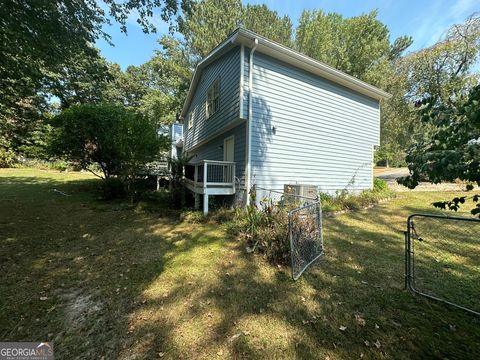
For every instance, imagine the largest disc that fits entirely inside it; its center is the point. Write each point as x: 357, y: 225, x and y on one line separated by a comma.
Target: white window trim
x: 190, y: 120
x: 212, y: 87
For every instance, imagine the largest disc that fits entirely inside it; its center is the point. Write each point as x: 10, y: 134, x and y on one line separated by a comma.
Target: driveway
x: 390, y: 175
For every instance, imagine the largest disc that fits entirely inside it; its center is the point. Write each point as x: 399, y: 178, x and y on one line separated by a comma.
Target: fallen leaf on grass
x: 161, y: 354
x: 43, y: 298
x: 377, y: 344
x: 367, y: 343
x: 236, y: 336
x: 343, y: 328
x: 360, y: 320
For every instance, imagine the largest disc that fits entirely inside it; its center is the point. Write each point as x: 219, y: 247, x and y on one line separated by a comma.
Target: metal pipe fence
x: 442, y: 259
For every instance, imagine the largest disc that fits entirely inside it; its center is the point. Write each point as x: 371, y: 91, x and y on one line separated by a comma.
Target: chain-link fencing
x: 304, y: 225
x: 442, y: 259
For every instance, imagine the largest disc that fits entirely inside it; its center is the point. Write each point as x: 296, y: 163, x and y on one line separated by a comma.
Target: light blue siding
x: 213, y: 150
x: 308, y: 130
x: 246, y: 67
x: 227, y: 70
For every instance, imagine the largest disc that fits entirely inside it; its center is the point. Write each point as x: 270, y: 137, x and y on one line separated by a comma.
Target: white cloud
x: 441, y: 16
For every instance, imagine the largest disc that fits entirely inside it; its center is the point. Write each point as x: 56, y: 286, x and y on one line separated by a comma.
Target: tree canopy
x: 211, y: 21
x: 51, y: 43
x: 451, y: 148
x: 355, y: 45
x: 117, y: 140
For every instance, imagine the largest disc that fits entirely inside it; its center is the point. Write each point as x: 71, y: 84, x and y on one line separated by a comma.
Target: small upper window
x: 213, y: 98
x: 190, y: 120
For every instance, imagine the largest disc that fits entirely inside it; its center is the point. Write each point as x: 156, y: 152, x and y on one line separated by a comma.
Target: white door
x: 228, y: 149
x: 228, y: 155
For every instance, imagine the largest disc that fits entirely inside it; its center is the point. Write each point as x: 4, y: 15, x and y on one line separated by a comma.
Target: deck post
x: 205, y: 196
x: 197, y: 201
x: 205, y: 204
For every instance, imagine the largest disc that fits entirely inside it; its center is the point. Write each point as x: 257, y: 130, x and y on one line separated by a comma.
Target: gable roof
x: 246, y: 37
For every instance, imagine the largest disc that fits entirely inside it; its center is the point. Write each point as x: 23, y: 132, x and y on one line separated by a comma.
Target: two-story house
x: 260, y: 113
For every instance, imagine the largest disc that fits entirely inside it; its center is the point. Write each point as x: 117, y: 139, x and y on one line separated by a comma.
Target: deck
x: 210, y: 177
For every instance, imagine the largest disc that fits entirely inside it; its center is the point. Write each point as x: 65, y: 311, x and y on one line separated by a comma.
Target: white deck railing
x: 211, y: 177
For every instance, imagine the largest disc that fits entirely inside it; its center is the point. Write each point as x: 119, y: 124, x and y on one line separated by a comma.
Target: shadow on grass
x: 122, y: 284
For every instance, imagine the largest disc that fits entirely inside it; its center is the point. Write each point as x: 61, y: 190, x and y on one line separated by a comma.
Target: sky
x: 425, y: 20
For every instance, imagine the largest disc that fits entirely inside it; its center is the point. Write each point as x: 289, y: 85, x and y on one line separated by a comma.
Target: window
x: 190, y: 120
x: 213, y: 98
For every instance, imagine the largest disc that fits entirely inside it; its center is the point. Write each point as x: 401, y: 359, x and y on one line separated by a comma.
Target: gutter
x: 249, y: 121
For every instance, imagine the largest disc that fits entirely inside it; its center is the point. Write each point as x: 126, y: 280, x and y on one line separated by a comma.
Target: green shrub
x: 7, y: 158
x: 221, y: 215
x: 113, y: 188
x: 120, y: 141
x: 379, y: 185
x: 192, y: 216
x: 343, y: 200
x: 59, y: 165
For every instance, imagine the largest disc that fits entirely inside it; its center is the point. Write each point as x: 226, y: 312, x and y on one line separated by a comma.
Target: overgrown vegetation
x: 264, y: 228
x: 101, y: 278
x: 345, y: 200
x: 116, y: 140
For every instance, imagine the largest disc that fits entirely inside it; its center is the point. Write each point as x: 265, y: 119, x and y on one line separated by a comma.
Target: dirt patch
x: 82, y: 313
x: 80, y: 308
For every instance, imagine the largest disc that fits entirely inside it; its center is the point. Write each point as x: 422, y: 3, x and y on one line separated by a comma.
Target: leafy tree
x: 452, y: 148
x: 266, y: 22
x: 85, y: 80
x: 128, y: 87
x: 42, y: 39
x: 168, y: 73
x: 441, y: 73
x: 117, y: 140
x: 354, y: 45
x: 211, y: 21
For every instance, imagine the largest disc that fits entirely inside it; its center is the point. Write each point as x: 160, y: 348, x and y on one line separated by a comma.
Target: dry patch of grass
x: 100, y: 279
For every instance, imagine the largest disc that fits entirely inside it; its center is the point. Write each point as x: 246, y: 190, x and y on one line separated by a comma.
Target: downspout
x: 249, y: 127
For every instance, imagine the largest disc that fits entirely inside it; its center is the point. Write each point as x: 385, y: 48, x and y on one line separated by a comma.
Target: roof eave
x: 305, y: 62
x: 212, y: 56
x: 280, y: 52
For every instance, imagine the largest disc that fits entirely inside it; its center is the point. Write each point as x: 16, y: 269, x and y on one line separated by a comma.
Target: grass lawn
x: 101, y: 279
